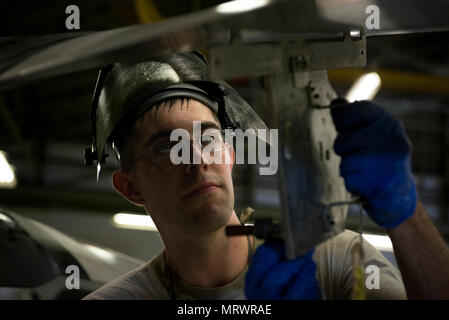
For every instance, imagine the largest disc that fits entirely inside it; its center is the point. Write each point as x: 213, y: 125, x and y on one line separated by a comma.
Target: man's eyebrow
x: 209, y: 125
x: 166, y: 133
x: 158, y: 135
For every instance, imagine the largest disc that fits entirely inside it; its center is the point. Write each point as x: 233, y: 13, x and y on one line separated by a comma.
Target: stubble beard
x: 209, y: 216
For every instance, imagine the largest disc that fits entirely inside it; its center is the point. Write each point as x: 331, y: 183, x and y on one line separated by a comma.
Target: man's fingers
x: 355, y: 115
x: 352, y: 164
x: 280, y: 276
x: 266, y: 256
x: 270, y: 274
x: 356, y: 183
x: 369, y: 137
x: 305, y: 286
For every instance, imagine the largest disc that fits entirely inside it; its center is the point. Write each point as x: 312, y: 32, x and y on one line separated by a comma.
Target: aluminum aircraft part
x: 258, y: 60
x: 309, y: 168
x: 319, y: 90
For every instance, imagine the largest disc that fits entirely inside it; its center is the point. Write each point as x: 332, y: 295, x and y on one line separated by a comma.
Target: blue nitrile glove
x: 375, y: 161
x: 272, y: 277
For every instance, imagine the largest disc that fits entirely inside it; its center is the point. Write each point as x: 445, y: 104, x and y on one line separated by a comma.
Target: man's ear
x: 123, y: 183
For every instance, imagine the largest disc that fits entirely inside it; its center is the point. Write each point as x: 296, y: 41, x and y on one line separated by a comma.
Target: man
x: 191, y: 204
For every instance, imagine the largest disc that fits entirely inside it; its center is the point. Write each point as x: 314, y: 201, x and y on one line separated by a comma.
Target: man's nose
x: 197, y: 161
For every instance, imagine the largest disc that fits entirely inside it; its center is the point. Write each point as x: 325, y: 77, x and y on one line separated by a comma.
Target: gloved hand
x: 375, y: 161
x: 272, y: 277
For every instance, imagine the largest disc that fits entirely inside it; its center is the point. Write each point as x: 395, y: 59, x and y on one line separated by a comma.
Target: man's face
x: 195, y: 198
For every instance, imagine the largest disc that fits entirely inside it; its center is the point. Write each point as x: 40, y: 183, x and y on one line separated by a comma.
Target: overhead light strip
x: 364, y: 88
x: 127, y: 220
x: 7, y: 175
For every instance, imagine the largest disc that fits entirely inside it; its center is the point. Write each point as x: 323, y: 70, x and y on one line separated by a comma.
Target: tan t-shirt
x: 334, y: 269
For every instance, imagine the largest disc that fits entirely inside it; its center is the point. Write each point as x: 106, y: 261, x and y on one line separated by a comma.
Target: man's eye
x: 206, y: 139
x: 164, y: 148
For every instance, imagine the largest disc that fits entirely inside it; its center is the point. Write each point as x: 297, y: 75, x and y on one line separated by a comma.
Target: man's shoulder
x: 141, y: 283
x: 335, y: 268
x: 346, y: 238
x: 338, y: 250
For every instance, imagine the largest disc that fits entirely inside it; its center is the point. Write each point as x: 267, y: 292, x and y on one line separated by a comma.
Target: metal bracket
x: 319, y: 90
x: 294, y: 56
x: 299, y: 95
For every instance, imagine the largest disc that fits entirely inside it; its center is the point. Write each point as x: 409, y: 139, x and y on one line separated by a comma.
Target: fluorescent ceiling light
x: 380, y: 242
x: 365, y: 87
x: 239, y: 6
x: 134, y: 221
x: 7, y: 175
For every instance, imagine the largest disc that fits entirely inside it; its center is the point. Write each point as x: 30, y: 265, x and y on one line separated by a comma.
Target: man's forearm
x: 423, y: 257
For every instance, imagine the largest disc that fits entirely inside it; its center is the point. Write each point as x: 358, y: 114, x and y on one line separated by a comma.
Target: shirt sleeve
x: 335, y: 270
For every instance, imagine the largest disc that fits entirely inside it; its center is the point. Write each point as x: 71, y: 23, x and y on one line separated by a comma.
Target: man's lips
x: 202, y: 189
